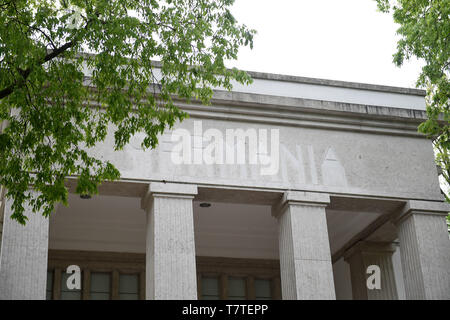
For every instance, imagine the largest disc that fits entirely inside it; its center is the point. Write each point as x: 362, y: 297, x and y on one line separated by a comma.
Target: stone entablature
x: 324, y: 147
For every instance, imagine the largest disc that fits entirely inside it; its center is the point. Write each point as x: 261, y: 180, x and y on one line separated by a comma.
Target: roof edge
x: 317, y: 81
x: 336, y: 83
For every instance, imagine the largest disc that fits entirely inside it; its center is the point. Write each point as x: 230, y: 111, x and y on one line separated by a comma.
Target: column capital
x: 370, y: 247
x: 422, y: 207
x: 300, y: 198
x: 360, y: 257
x: 162, y: 189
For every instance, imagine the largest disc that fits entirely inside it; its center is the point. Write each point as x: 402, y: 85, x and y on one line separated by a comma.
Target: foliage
x: 425, y: 34
x: 448, y: 223
x: 53, y: 112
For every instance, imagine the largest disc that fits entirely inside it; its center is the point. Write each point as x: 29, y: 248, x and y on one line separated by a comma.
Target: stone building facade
x: 290, y: 188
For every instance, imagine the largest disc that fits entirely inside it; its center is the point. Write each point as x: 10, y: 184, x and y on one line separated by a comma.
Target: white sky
x: 332, y: 39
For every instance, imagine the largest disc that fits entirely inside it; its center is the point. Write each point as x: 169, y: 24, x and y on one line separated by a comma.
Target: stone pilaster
x: 425, y: 250
x: 170, y: 256
x: 305, y: 258
x: 23, y: 257
x: 2, y: 215
x: 363, y: 255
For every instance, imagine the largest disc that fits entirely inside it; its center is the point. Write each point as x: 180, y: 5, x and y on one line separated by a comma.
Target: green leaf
x: 42, y: 70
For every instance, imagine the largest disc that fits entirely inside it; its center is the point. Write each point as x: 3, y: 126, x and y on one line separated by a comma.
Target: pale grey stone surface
x: 305, y: 258
x: 363, y: 255
x: 173, y: 188
x: 23, y: 259
x: 170, y: 256
x: 361, y: 143
x: 335, y: 83
x: 342, y: 280
x: 2, y: 213
x: 398, y: 272
x: 425, y: 254
x: 307, y: 197
x: 314, y: 280
x: 369, y: 164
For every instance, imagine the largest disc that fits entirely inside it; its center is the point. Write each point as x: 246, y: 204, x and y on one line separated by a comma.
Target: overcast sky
x: 333, y: 39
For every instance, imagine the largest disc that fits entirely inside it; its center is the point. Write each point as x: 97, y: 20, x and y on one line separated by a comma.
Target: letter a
x: 74, y: 280
x: 374, y: 280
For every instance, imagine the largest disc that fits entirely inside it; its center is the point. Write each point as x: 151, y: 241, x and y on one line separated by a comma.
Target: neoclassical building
x: 290, y: 188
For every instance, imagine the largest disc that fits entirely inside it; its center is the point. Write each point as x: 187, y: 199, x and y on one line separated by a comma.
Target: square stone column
x: 360, y: 257
x: 23, y: 256
x: 305, y: 258
x: 170, y: 256
x: 425, y: 249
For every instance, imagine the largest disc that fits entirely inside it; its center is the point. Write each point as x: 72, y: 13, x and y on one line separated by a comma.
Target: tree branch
x: 25, y: 73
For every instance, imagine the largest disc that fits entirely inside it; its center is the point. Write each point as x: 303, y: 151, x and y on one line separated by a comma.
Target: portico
x: 356, y: 185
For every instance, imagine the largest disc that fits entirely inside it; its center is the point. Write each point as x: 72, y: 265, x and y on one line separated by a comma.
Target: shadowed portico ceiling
x: 228, y: 229
x: 353, y: 219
